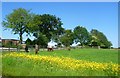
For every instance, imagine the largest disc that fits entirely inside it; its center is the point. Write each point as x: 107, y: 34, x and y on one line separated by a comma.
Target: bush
x: 9, y: 45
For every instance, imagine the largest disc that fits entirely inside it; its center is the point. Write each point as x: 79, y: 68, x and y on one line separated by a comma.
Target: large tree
x: 81, y: 35
x: 18, y: 21
x: 41, y: 39
x: 48, y: 25
x: 58, y: 33
x: 100, y: 38
x: 28, y: 42
x: 67, y: 38
x: 51, y: 25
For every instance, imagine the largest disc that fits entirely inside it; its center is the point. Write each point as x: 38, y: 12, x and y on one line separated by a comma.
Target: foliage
x: 59, y: 45
x: 46, y: 24
x: 81, y: 35
x: 48, y: 27
x: 9, y: 44
x: 58, y: 33
x: 41, y: 39
x: 67, y: 38
x: 100, y: 38
x: 0, y: 44
x: 51, y: 25
x: 18, y: 21
x: 35, y: 23
x: 28, y: 42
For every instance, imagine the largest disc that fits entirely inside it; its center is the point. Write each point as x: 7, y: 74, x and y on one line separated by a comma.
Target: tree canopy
x: 18, y: 21
x: 67, y: 38
x: 47, y: 27
x: 100, y: 38
x: 81, y: 35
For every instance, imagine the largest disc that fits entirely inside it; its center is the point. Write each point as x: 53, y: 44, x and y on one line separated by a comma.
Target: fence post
x: 9, y: 48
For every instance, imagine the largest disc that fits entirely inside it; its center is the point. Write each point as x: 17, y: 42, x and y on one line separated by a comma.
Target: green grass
x: 21, y: 67
x: 0, y: 65
x: 102, y: 55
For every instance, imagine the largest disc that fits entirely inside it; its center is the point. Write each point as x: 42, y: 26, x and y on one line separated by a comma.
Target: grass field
x: 77, y: 62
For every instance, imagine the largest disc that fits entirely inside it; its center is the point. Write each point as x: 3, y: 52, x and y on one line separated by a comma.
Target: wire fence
x: 22, y: 48
x: 31, y: 48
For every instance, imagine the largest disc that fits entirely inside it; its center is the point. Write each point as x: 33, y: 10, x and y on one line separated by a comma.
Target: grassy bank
x: 77, y: 62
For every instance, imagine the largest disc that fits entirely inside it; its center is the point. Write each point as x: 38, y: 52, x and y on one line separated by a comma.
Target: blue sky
x: 102, y: 16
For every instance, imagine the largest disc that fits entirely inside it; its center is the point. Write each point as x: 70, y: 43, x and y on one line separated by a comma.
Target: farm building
x: 10, y: 41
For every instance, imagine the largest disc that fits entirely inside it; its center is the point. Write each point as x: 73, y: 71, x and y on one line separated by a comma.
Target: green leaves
x: 46, y: 27
x: 41, y: 39
x: 81, y: 35
x: 100, y: 38
x: 67, y: 38
x: 18, y: 21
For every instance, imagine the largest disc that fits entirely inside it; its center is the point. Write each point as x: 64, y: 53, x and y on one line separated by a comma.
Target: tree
x: 100, y: 38
x: 95, y: 41
x: 67, y: 38
x: 28, y: 42
x: 51, y: 25
x: 47, y: 25
x: 109, y: 44
x: 81, y: 35
x: 40, y: 39
x: 18, y: 21
x: 35, y: 24
x: 57, y: 35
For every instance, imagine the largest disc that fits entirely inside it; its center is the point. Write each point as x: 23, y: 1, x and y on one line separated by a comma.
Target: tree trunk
x: 98, y: 47
x: 20, y: 37
x: 81, y: 44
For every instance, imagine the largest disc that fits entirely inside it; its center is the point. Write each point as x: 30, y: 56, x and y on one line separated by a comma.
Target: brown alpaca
x: 36, y: 49
x: 50, y: 49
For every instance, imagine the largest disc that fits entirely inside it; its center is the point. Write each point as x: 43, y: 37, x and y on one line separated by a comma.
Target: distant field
x: 0, y: 64
x: 77, y: 62
x: 102, y: 55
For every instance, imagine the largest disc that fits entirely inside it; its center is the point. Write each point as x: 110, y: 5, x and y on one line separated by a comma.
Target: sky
x: 102, y: 16
x: 60, y: 0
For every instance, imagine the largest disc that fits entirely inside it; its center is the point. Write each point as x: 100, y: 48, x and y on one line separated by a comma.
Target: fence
x: 31, y: 48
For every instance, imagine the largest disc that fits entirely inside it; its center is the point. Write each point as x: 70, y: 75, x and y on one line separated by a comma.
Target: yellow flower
x: 65, y: 62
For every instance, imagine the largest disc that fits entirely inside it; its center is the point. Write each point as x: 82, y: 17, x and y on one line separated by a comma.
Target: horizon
x: 102, y: 16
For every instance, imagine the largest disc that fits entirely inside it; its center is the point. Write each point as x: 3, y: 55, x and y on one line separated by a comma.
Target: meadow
x: 77, y: 62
